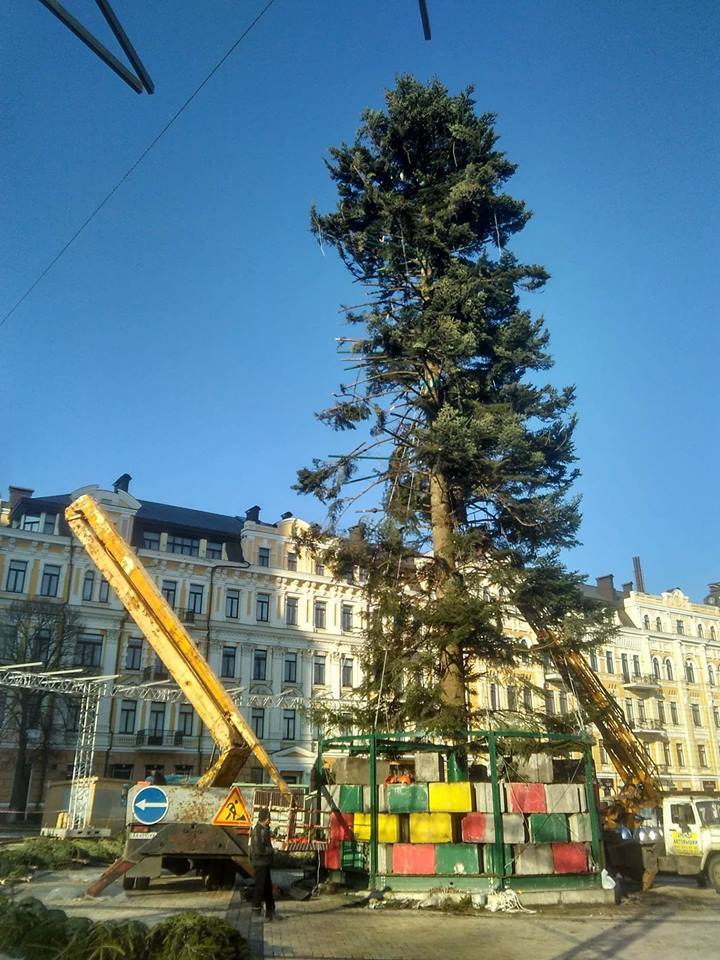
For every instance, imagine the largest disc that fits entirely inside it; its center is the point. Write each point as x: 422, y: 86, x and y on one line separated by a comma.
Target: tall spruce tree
x: 472, y: 453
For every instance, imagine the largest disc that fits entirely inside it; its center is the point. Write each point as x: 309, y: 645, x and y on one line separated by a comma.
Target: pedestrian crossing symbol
x: 233, y: 812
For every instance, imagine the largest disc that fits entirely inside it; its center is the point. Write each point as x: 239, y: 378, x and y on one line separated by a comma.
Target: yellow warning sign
x: 233, y: 812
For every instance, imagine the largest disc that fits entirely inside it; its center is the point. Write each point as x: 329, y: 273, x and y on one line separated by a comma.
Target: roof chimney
x: 122, y: 483
x: 627, y: 588
x: 16, y: 494
x: 286, y: 515
x: 606, y: 587
x: 253, y: 514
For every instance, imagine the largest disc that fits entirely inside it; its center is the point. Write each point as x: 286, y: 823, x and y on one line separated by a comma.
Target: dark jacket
x: 261, y: 849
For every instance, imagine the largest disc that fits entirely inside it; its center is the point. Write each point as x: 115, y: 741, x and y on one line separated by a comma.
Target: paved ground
x: 675, y: 920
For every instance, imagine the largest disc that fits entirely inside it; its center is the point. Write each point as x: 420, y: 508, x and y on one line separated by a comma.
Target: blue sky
x: 188, y: 335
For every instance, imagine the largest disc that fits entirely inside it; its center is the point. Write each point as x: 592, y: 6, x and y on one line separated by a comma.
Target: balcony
x: 649, y: 729
x: 155, y: 673
x: 165, y: 740
x: 552, y: 675
x: 641, y: 683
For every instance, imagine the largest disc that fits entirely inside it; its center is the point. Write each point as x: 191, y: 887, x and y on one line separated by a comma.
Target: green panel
x: 457, y: 858
x: 352, y: 855
x: 395, y: 882
x: 490, y: 864
x: 351, y: 798
x: 548, y: 828
x: 568, y: 881
x: 457, y: 766
x: 407, y: 798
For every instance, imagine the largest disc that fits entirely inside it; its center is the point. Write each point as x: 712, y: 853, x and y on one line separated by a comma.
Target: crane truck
x: 687, y: 838
x: 177, y: 827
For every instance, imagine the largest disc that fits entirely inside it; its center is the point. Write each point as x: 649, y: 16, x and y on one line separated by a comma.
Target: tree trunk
x: 21, y: 777
x: 443, y: 523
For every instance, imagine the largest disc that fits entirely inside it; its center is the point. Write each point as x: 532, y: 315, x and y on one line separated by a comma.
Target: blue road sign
x: 150, y: 805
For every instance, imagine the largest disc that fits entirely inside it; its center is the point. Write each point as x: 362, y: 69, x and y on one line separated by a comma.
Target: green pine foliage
x: 464, y: 462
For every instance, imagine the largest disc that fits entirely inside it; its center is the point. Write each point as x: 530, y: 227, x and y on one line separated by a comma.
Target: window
x: 41, y: 645
x: 629, y: 712
x: 169, y: 591
x: 30, y: 522
x: 121, y: 771
x: 195, y: 598
x: 319, y: 568
x: 319, y: 670
x: 656, y: 668
x: 103, y: 591
x: 563, y: 702
x: 264, y: 557
x: 257, y: 719
x: 49, y: 523
x: 320, y: 611
x: 667, y: 754
x: 288, y: 725
x: 609, y: 665
x: 641, y: 711
x: 646, y: 622
x: 690, y: 671
x: 695, y: 711
x: 157, y: 720
x: 512, y: 698
x: 88, y: 652
x: 680, y: 751
x: 668, y: 670
x: 232, y: 604
x: 213, y: 550
x: 658, y: 624
x: 133, y: 655
x: 292, y: 561
x: 494, y: 697
x: 259, y: 664
x: 702, y: 755
x: 187, y: 546
x: 636, y: 666
x: 15, y: 582
x: 680, y: 627
x: 603, y: 754
x: 149, y: 767
x: 128, y: 712
x: 151, y: 540
x: 291, y: 611
x: 229, y: 655
x: 347, y: 672
x: 593, y: 661
x: 72, y: 718
x: 700, y: 630
x: 713, y: 633
x: 711, y: 675
x: 661, y: 711
x: 527, y: 698
x: 186, y: 719
x: 184, y: 769
x: 88, y: 585
x: 716, y: 715
x: 674, y: 713
x: 262, y: 607
x: 50, y: 580
x: 550, y: 703
x: 624, y: 666
x: 290, y: 668
x: 347, y: 618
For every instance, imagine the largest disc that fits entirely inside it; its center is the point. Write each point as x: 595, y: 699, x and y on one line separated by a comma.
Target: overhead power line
x: 131, y: 169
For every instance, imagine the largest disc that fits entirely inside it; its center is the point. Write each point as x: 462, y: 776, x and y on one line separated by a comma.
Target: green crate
x: 548, y: 828
x: 352, y: 856
x: 457, y: 858
x: 407, y: 798
x: 351, y: 798
x: 489, y: 860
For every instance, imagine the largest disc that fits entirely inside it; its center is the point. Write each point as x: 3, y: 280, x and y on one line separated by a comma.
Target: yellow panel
x: 388, y: 827
x: 430, y: 827
x: 450, y: 797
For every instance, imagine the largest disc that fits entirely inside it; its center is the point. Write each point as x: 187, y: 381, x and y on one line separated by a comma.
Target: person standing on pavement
x: 261, y: 856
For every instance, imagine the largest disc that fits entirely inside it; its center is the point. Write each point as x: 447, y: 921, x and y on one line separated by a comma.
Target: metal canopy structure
x: 140, y: 79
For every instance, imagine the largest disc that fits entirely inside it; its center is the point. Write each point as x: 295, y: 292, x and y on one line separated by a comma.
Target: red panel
x: 474, y: 827
x: 332, y: 856
x: 340, y: 826
x: 413, y: 858
x: 526, y: 798
x: 569, y: 857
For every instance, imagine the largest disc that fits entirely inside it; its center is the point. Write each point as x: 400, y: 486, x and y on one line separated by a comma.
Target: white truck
x: 689, y: 836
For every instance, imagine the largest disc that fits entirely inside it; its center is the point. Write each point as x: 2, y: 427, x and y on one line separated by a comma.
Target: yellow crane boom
x: 125, y: 573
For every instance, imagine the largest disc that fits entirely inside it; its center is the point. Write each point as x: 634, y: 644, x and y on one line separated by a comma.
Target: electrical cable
x: 136, y: 163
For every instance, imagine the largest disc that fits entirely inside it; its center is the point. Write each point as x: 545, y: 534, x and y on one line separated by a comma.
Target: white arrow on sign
x: 144, y: 804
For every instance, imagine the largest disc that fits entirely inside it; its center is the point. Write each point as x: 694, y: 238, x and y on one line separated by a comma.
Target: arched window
x: 646, y: 622
x: 690, y: 671
x: 656, y: 668
x: 700, y: 630
x: 658, y: 624
x: 711, y: 675
x: 713, y: 634
x: 668, y: 670
x: 88, y: 584
x: 493, y: 696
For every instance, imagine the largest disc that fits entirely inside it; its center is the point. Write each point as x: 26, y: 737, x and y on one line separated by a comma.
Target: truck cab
x: 691, y: 836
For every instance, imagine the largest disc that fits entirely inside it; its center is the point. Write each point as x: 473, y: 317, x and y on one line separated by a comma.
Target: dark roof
x: 167, y: 514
